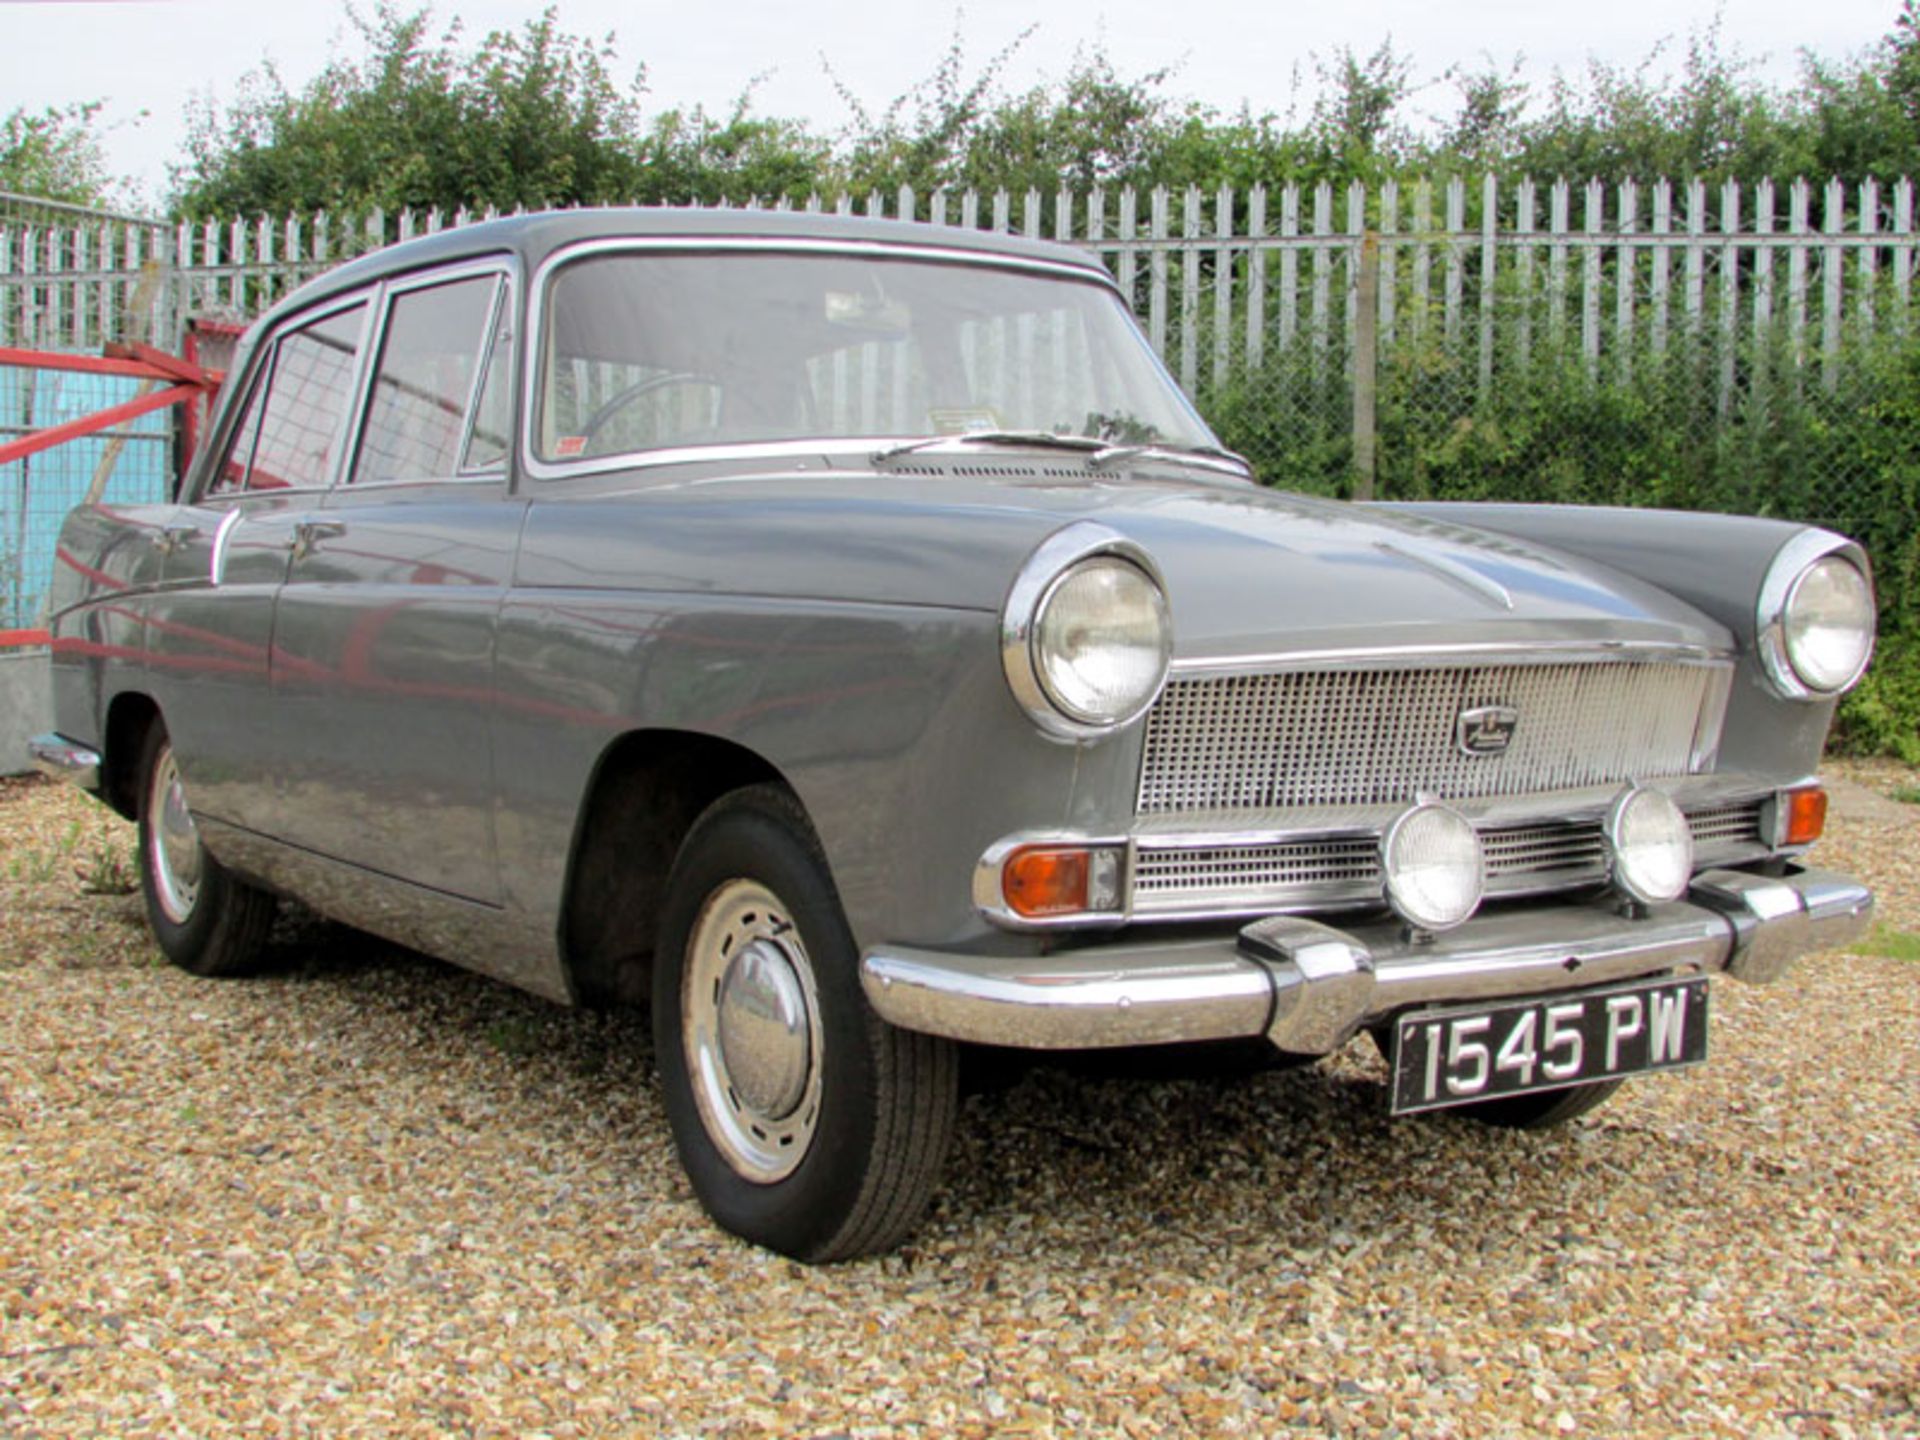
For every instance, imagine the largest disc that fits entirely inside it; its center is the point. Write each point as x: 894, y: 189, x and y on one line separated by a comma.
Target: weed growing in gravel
x: 37, y: 866
x: 109, y: 868
x: 513, y: 1036
x: 1907, y: 794
x: 1891, y: 944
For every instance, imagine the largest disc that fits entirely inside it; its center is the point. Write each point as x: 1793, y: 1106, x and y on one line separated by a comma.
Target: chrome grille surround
x: 1382, y: 733
x: 1220, y: 876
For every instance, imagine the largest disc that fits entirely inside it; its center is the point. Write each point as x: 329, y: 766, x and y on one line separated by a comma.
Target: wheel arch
x: 646, y: 790
x: 130, y: 714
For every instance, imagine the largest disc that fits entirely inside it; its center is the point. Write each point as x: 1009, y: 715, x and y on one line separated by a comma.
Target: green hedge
x: 1777, y: 434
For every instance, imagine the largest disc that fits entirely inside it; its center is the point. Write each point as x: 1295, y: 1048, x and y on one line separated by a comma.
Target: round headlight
x: 1431, y: 859
x: 1827, y: 625
x: 1102, y: 640
x: 1649, y: 846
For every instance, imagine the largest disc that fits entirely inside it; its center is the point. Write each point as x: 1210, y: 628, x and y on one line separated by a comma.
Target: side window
x: 306, y: 397
x: 428, y: 360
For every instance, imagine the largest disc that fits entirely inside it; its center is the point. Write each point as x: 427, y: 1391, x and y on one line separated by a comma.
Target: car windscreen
x: 645, y: 350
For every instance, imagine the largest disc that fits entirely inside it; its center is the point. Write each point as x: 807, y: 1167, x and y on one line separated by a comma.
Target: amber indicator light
x: 1806, y: 815
x: 1039, y: 881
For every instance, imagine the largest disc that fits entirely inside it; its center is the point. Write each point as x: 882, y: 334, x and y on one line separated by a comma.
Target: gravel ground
x: 369, y: 1194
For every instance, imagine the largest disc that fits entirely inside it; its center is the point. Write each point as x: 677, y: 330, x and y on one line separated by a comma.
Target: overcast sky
x: 152, y: 55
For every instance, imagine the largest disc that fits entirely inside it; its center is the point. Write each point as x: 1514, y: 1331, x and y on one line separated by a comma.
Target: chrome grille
x: 1738, y: 823
x: 1373, y: 737
x: 1521, y: 859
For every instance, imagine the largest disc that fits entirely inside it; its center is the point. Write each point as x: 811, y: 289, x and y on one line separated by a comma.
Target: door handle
x: 307, y: 535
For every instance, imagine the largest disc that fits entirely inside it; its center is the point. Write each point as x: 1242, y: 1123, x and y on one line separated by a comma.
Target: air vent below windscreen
x: 992, y: 472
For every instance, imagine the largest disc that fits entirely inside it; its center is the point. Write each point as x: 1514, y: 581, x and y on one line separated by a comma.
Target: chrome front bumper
x: 65, y: 759
x: 1307, y: 987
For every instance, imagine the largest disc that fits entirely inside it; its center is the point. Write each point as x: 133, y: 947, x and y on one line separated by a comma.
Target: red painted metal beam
x: 87, y: 364
x: 9, y: 638
x: 100, y: 420
x: 172, y: 367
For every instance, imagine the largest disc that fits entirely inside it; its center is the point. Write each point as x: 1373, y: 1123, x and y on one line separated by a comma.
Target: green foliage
x: 692, y: 157
x: 536, y: 117
x: 1890, y: 944
x: 54, y: 155
x: 1641, y: 425
x: 529, y: 117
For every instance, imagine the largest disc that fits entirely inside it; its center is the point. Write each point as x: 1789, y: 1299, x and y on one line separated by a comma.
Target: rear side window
x: 290, y: 433
x: 417, y: 419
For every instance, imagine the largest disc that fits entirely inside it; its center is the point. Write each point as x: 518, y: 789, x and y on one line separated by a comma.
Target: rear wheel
x: 806, y: 1123
x: 206, y: 921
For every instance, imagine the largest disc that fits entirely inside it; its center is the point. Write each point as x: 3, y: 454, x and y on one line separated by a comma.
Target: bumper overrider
x: 1308, y: 987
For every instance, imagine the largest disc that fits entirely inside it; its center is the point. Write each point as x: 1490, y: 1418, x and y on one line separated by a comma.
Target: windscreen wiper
x: 1114, y: 454
x: 1038, y: 439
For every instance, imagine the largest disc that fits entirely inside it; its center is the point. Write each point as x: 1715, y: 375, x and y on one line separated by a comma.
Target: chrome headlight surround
x: 1649, y: 846
x: 1072, y: 556
x: 1809, y: 564
x: 1434, y: 870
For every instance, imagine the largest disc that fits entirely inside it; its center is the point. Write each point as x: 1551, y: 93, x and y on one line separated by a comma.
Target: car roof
x: 533, y: 237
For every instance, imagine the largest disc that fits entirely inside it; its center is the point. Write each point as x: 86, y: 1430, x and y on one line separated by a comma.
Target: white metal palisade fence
x: 1327, y: 282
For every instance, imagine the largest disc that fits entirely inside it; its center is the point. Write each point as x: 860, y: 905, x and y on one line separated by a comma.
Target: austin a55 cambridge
x: 846, y: 635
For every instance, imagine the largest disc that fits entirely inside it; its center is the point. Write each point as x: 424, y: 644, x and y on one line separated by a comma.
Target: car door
x: 226, y: 550
x: 383, y: 637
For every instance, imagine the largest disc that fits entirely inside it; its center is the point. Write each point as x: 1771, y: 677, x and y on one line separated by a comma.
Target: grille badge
x: 1486, y: 729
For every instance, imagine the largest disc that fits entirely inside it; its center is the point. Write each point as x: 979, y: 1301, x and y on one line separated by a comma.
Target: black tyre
x: 805, y: 1122
x: 207, y: 921
x: 1541, y: 1110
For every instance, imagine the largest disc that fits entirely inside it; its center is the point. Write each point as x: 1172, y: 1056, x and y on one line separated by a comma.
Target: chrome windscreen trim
x: 906, y: 248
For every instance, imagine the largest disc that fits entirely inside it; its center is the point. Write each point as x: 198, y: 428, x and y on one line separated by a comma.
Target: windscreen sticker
x: 570, y: 445
x: 959, y: 421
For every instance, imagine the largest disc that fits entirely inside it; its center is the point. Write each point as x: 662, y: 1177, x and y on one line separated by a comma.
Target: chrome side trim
x: 1789, y: 564
x: 1515, y: 652
x: 1311, y: 986
x: 64, y: 759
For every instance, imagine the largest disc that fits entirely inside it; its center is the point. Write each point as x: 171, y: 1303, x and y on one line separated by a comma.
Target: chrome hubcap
x: 750, y: 1019
x: 174, y: 855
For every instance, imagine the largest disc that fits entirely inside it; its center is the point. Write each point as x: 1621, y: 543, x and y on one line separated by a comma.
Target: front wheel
x: 805, y: 1122
x: 1541, y: 1110
x: 206, y: 921
x: 1537, y: 1110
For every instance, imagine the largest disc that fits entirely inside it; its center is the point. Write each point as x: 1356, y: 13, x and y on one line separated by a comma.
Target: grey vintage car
x: 846, y: 634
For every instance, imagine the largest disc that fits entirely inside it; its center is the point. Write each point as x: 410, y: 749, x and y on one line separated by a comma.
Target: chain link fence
x: 1745, y: 348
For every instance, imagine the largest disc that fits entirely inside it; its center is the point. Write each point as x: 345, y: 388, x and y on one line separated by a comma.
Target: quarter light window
x: 290, y: 434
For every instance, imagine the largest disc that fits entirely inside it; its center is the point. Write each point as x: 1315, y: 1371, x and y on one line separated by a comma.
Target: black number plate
x: 1466, y: 1053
